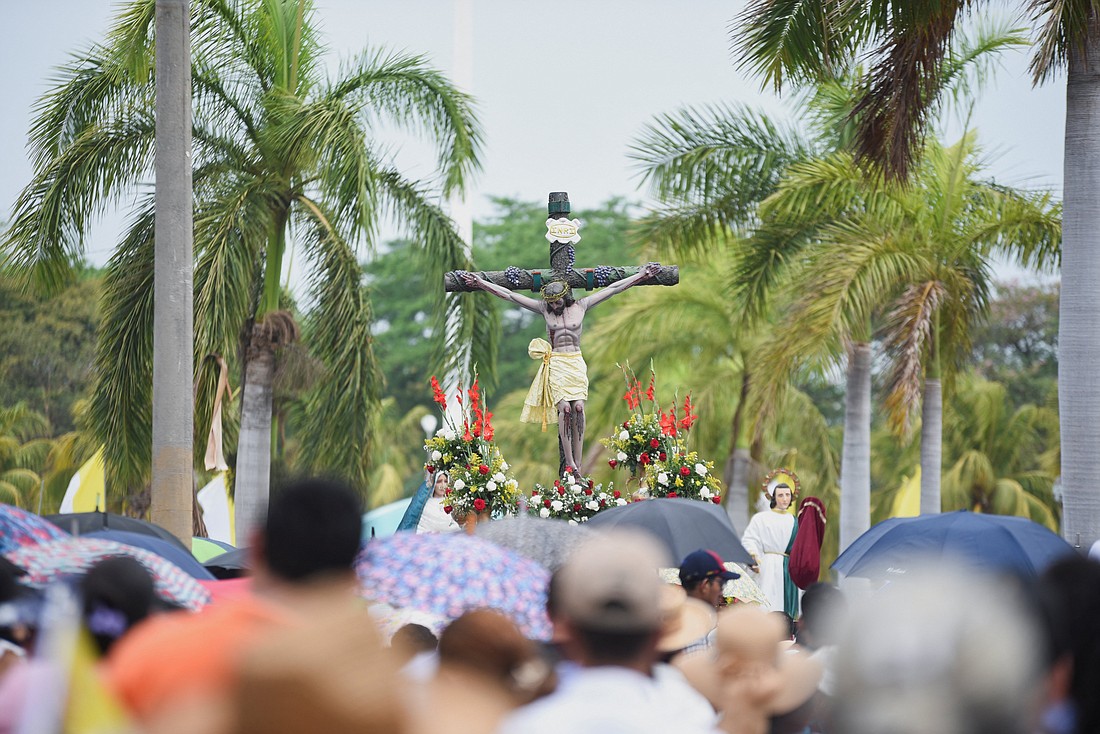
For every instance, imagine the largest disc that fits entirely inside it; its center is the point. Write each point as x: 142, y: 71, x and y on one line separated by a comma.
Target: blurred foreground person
x: 939, y: 654
x: 1073, y: 706
x: 302, y: 574
x: 411, y: 641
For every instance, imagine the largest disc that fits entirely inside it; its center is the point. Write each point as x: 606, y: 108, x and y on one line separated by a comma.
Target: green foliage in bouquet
x: 573, y: 498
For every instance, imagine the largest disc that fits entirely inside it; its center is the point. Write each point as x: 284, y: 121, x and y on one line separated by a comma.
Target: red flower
x: 654, y: 443
x: 684, y: 471
x: 603, y: 503
x: 475, y: 394
x: 716, y: 500
x: 662, y: 456
x: 612, y: 463
x: 588, y: 492
x: 437, y: 393
x: 429, y: 468
x: 652, y: 384
x: 534, y: 492
x: 591, y: 483
x: 673, y: 494
x: 561, y: 491
x: 479, y: 504
x: 689, y: 416
x: 483, y: 469
x: 644, y: 458
x: 577, y: 507
x: 631, y: 396
x: 546, y: 502
x: 447, y: 509
x: 616, y: 494
x: 626, y: 424
x: 668, y: 424
x: 568, y: 470
x: 466, y: 434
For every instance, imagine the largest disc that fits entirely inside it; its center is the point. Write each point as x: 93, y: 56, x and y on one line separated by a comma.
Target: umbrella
x: 203, y: 549
x: 452, y: 573
x: 229, y: 565
x: 74, y: 556
x: 683, y: 525
x: 19, y: 527
x: 382, y: 521
x: 82, y: 523
x: 168, y: 551
x: 547, y: 541
x: 994, y: 542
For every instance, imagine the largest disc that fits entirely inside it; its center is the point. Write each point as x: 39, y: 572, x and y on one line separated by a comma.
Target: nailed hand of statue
x: 652, y: 269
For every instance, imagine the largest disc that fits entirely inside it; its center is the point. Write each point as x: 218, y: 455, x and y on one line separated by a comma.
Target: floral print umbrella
x: 453, y: 573
x: 19, y: 527
x: 70, y: 556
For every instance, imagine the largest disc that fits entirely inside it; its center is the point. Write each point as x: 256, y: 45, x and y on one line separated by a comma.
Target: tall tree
x: 282, y: 155
x: 798, y: 42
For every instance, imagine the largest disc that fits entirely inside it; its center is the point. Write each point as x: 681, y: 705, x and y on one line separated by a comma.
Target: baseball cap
x: 610, y: 583
x: 703, y: 564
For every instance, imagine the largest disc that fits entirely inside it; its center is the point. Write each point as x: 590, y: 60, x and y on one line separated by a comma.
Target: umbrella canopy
x: 546, y: 541
x: 994, y: 542
x: 452, y: 573
x: 19, y: 527
x: 683, y: 525
x: 74, y: 556
x: 229, y: 565
x: 383, y: 521
x: 168, y: 551
x: 203, y: 549
x: 82, y: 523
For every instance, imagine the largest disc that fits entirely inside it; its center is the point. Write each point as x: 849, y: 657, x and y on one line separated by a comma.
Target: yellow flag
x: 907, y: 500
x: 87, y: 489
x: 92, y: 709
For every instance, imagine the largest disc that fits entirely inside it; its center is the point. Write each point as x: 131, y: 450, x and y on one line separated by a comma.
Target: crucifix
x: 560, y: 388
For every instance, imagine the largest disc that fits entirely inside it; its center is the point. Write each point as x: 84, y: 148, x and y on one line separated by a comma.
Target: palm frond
x: 909, y: 332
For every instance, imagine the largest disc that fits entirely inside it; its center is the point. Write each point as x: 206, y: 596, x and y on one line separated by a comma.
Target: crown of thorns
x: 550, y: 297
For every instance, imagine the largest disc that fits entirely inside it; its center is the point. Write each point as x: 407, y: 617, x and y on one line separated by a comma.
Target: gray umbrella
x: 545, y: 541
x: 683, y: 525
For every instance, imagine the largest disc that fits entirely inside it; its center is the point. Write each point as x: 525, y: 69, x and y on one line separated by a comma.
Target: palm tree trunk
x: 855, y: 461
x: 736, y: 472
x: 931, y: 446
x: 1079, y: 307
x: 253, y: 474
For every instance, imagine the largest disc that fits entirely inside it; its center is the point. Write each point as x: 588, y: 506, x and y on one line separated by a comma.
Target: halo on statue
x: 781, y: 476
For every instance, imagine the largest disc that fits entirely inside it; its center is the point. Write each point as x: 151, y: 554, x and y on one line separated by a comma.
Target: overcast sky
x: 562, y: 87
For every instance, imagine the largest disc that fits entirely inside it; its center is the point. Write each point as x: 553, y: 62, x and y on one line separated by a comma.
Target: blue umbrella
x: 170, y: 552
x: 988, y: 542
x: 384, y: 520
x: 19, y: 527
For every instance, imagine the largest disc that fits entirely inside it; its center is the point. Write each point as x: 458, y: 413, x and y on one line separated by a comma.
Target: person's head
x: 116, y: 593
x: 1074, y: 587
x: 703, y: 574
x: 440, y: 483
x: 412, y: 640
x: 312, y: 531
x: 823, y: 607
x: 558, y: 295
x: 781, y: 496
x: 487, y: 642
x: 608, y: 596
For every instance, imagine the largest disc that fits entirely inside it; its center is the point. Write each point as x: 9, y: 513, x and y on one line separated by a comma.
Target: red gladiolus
x: 612, y: 463
x: 479, y: 504
x: 616, y: 494
x: 483, y: 469
x: 654, y: 443
x: 668, y: 424
x: 684, y: 471
x: 644, y: 458
x: 475, y: 394
x: 466, y: 434
x: 689, y: 416
x: 437, y: 393
x: 662, y: 456
x: 447, y: 509
x: 652, y: 384
x: 631, y: 396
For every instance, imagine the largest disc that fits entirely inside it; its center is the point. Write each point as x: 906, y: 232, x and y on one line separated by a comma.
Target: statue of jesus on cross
x: 560, y: 388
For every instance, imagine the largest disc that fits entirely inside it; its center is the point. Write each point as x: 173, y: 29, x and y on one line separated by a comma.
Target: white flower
x: 544, y: 512
x: 491, y: 486
x: 504, y: 466
x: 700, y: 470
x: 459, y: 484
x: 511, y: 484
x: 662, y: 478
x: 705, y: 493
x: 624, y: 435
x: 440, y: 432
x: 621, y: 456
x: 620, y: 502
x: 449, y: 435
x: 536, y: 499
x: 569, y: 478
x: 436, y: 456
x: 498, y: 478
x: 556, y: 505
x: 593, y: 505
x: 573, y: 522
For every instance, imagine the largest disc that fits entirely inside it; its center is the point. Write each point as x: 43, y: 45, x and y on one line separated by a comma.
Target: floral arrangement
x: 480, y: 482
x: 684, y: 474
x: 647, y: 438
x: 573, y: 498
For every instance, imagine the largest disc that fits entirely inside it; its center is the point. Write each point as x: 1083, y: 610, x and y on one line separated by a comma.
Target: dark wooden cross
x: 562, y: 234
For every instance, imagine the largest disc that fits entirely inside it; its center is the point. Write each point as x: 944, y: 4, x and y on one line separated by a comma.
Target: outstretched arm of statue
x: 531, y: 304
x: 650, y: 270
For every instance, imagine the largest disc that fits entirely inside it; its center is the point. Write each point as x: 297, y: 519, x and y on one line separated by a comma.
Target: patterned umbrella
x: 453, y: 573
x: 74, y: 556
x: 549, y: 542
x: 19, y: 527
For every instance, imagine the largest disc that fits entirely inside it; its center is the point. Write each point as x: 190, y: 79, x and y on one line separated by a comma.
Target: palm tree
x: 799, y: 42
x: 24, y: 449
x: 918, y: 255
x: 282, y: 155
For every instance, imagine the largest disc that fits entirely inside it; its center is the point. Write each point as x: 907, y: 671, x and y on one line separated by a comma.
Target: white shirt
x: 434, y: 520
x: 615, y: 700
x: 766, y: 539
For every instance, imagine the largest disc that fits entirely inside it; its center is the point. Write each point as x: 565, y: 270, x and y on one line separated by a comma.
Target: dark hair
x: 1075, y: 582
x: 784, y: 485
x: 489, y: 642
x: 613, y: 648
x: 414, y: 638
x: 313, y: 528
x: 819, y: 603
x: 117, y: 593
x: 692, y: 583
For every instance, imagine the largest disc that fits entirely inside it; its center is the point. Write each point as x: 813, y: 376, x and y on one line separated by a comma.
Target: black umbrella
x: 82, y: 523
x: 683, y: 525
x: 230, y: 565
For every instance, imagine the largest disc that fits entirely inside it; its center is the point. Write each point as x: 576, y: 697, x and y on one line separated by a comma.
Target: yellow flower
x: 447, y: 458
x: 679, y: 482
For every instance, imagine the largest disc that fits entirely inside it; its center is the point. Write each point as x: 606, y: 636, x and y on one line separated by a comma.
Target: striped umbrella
x: 19, y: 527
x: 58, y: 559
x: 450, y: 574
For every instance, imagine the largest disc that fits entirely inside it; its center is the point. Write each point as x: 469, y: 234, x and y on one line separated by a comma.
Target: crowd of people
x: 298, y: 650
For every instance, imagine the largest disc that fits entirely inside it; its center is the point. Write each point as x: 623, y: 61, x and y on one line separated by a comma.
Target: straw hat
x: 685, y: 619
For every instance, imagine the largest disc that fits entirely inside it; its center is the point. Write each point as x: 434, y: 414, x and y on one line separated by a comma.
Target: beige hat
x: 686, y: 620
x: 610, y: 583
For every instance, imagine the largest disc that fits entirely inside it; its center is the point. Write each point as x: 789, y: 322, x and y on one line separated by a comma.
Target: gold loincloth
x: 561, y: 376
